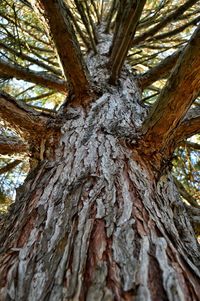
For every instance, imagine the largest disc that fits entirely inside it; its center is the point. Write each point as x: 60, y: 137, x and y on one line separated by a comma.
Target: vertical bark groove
x: 97, y: 219
x: 91, y: 223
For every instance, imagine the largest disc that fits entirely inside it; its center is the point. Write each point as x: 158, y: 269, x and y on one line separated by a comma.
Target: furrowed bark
x: 158, y: 72
x: 55, y: 17
x: 21, y: 117
x: 38, y: 78
x: 125, y: 32
x: 94, y: 222
x: 189, y: 126
x: 176, y: 97
x: 95, y: 219
x: 12, y: 145
x: 166, y: 20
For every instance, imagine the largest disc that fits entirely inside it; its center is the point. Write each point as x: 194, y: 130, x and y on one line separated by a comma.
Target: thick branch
x: 38, y: 78
x: 55, y: 17
x: 78, y: 28
x: 21, y: 117
x: 11, y: 145
x: 181, y: 89
x: 158, y: 72
x: 166, y: 20
x: 124, y: 35
x: 189, y: 126
x: 9, y: 166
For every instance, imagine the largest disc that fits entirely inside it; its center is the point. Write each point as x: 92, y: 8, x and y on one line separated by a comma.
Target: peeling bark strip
x: 54, y: 15
x: 39, y: 78
x: 94, y: 223
x: 182, y: 87
x: 21, y: 117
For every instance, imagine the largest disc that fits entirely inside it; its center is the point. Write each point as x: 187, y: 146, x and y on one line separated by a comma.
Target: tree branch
x: 54, y: 16
x: 175, y: 31
x: 21, y: 117
x: 110, y: 15
x: 123, y: 36
x: 189, y: 126
x: 190, y: 145
x: 9, y: 166
x: 81, y: 10
x: 194, y: 214
x: 176, y: 97
x: 158, y: 72
x: 12, y: 145
x: 166, y: 20
x: 183, y: 192
x: 23, y: 56
x: 90, y: 19
x: 78, y: 28
x: 39, y: 78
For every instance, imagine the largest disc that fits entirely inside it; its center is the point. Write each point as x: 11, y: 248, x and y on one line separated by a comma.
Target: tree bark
x: 95, y: 220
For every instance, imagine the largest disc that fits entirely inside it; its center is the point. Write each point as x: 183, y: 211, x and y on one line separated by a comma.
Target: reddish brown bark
x: 97, y: 221
x: 175, y: 99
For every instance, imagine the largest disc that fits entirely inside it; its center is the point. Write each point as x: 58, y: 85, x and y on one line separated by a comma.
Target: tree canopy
x: 100, y: 117
x: 44, y: 50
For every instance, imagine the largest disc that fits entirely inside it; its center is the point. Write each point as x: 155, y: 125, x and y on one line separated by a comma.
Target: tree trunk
x: 95, y: 220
